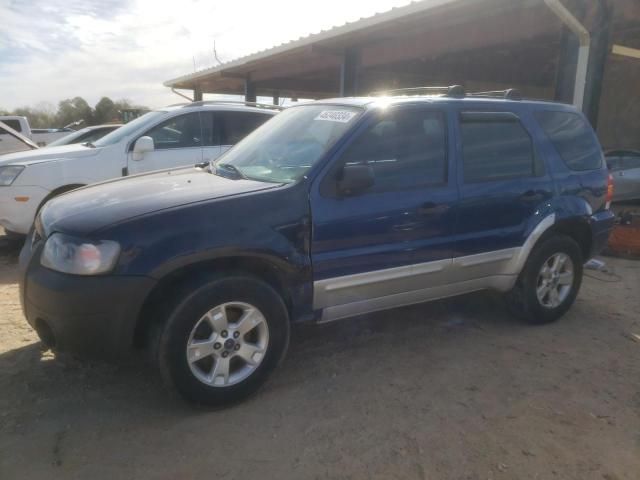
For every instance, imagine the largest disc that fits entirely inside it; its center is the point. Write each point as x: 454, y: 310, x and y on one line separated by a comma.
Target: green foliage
x: 71, y: 110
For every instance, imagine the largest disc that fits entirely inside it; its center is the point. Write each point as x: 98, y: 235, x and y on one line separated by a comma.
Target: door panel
x: 502, y: 184
x: 405, y: 218
x: 177, y: 143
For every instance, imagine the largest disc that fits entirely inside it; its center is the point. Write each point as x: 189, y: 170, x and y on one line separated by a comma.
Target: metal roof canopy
x: 402, y: 47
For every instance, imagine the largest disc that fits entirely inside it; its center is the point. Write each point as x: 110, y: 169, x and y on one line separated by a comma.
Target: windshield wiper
x: 231, y: 168
x: 89, y: 144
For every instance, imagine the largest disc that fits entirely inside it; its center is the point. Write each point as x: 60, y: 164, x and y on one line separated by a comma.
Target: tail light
x: 609, y: 196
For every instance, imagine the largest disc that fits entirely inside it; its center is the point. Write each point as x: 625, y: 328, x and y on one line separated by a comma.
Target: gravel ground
x: 454, y: 389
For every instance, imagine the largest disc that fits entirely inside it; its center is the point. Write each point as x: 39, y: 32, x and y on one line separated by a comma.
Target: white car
x: 87, y: 134
x: 179, y: 135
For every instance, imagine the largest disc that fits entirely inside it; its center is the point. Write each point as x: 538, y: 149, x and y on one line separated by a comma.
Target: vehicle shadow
x: 37, y: 382
x: 9, y: 253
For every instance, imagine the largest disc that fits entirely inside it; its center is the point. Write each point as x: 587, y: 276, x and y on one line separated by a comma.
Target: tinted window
x: 234, y: 126
x: 405, y: 149
x: 15, y: 124
x: 494, y: 147
x: 573, y: 138
x: 631, y: 162
x: 614, y: 163
x: 182, y: 131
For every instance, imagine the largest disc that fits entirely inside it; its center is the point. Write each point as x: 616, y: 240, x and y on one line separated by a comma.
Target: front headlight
x: 9, y: 173
x: 67, y: 254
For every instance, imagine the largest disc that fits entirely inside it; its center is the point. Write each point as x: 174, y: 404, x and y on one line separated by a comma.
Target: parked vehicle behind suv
x: 624, y: 166
x: 333, y: 209
x: 170, y: 137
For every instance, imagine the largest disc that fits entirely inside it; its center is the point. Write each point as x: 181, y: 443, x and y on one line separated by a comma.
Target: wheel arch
x: 576, y: 228
x: 174, y: 284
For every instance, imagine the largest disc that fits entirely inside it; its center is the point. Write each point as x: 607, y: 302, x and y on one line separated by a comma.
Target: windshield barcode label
x: 342, y: 116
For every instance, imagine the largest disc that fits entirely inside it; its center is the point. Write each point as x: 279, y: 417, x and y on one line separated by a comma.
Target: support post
x: 349, y: 73
x: 276, y: 98
x: 249, y: 90
x: 584, y: 39
x: 197, y: 93
x: 600, y: 35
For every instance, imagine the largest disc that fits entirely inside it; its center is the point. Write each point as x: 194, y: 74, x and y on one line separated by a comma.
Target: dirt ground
x: 451, y: 390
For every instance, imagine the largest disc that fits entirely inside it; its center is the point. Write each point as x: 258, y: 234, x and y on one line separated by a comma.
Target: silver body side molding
x: 360, y: 293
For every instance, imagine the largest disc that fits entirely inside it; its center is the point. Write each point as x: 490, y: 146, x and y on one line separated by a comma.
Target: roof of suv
x: 226, y: 105
x: 378, y: 100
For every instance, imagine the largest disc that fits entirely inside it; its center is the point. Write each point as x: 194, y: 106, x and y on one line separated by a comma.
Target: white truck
x: 179, y: 135
x: 40, y: 136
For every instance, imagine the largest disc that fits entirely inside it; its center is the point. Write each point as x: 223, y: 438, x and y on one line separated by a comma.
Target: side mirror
x: 355, y: 179
x: 142, y: 146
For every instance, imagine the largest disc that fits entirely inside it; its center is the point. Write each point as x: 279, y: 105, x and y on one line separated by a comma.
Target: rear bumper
x: 93, y: 317
x: 18, y: 216
x: 601, y: 226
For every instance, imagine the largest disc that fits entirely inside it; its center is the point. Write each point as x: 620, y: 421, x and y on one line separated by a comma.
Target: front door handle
x: 531, y: 196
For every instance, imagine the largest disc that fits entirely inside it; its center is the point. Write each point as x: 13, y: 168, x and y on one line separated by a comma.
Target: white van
x: 178, y: 135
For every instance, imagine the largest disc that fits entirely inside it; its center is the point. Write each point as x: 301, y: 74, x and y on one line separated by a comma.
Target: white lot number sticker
x: 341, y: 116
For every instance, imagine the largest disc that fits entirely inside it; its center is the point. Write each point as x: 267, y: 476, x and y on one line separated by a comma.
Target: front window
x: 182, y: 131
x: 130, y: 128
x: 285, y: 148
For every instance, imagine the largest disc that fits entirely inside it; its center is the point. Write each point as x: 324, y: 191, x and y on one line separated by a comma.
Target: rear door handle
x: 429, y: 208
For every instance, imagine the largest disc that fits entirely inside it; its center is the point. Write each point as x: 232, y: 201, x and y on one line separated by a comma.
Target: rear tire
x: 549, y: 282
x: 223, y: 339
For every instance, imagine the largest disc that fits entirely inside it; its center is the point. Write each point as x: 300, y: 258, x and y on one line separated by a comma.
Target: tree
x: 73, y: 110
x: 105, y: 111
x: 44, y: 115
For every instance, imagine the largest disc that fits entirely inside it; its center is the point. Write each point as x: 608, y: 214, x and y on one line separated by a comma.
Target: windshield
x: 287, y: 146
x: 67, y: 139
x: 131, y: 127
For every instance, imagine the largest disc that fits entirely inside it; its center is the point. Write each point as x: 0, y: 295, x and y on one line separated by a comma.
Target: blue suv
x: 331, y: 209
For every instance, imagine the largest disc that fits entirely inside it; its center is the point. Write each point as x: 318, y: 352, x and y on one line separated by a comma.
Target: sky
x: 56, y: 49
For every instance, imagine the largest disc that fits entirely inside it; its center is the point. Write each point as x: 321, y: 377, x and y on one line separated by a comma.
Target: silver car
x: 624, y: 166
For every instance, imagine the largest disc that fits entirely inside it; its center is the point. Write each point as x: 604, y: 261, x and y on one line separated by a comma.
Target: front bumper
x: 93, y: 317
x: 18, y: 216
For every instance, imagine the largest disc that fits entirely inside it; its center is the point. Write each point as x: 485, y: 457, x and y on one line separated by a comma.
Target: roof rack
x: 508, y: 94
x: 456, y: 91
x: 232, y: 102
x: 450, y: 91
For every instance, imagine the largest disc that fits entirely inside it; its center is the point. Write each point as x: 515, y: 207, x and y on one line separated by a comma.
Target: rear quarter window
x: 573, y: 138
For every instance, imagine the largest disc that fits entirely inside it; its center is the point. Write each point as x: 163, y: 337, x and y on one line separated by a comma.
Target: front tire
x: 549, y: 282
x: 222, y: 340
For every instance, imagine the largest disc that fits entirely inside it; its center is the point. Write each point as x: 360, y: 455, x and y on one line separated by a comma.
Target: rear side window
x: 495, y: 146
x: 405, y: 149
x: 614, y: 163
x: 234, y: 126
x: 573, y: 138
x: 631, y: 162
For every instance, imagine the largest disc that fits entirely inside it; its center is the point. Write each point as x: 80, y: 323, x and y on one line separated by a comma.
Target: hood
x: 47, y: 154
x: 91, y: 208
